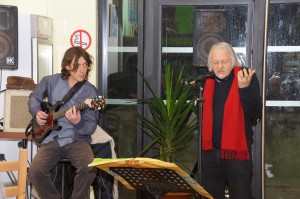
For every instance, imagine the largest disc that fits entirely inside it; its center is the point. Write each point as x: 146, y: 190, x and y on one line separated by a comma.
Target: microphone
x: 210, y: 75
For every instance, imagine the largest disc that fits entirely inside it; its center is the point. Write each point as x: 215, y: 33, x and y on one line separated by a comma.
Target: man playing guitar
x: 73, y: 137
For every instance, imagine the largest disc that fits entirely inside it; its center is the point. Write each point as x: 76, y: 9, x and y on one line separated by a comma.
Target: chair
x: 18, y: 190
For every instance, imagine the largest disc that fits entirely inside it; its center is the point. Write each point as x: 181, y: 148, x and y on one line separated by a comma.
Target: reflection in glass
x: 284, y: 26
x: 282, y: 138
x: 122, y: 84
x: 185, y: 27
x: 283, y: 63
x: 119, y: 116
x: 282, y: 165
x: 283, y: 76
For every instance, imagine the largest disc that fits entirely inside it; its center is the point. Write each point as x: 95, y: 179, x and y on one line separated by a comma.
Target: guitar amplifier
x: 16, y: 113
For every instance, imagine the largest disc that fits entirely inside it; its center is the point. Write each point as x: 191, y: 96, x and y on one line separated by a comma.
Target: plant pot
x: 177, y: 195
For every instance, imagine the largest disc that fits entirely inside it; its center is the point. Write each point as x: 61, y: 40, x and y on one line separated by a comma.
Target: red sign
x: 81, y: 38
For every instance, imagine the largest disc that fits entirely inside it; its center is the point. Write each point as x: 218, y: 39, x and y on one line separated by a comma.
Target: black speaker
x: 210, y: 27
x: 8, y: 37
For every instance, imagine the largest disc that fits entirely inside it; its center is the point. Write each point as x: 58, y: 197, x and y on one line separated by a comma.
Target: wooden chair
x: 19, y: 190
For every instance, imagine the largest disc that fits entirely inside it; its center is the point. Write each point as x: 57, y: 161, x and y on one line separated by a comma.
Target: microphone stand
x: 197, y: 168
x: 196, y: 172
x: 200, y: 100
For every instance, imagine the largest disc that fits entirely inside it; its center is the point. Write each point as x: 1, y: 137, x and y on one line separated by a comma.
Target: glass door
x: 181, y: 33
x: 118, y: 55
x: 282, y: 137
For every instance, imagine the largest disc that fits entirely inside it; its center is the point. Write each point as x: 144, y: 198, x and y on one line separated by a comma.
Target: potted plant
x: 171, y: 123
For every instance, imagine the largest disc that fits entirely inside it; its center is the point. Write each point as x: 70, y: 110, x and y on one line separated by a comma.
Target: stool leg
x: 62, y: 180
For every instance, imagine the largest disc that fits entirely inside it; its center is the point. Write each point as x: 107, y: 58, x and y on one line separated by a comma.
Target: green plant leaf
x: 171, y: 122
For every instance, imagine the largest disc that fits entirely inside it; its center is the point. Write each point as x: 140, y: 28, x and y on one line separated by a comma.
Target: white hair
x: 228, y: 47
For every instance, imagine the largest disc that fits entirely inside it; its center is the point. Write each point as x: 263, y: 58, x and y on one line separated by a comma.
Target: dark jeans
x: 79, y: 153
x: 217, y: 173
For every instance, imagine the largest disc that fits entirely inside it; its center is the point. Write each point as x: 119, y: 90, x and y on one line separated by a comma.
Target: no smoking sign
x: 81, y: 38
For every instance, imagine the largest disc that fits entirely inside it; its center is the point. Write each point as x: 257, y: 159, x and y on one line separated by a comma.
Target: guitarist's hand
x: 41, y: 117
x: 73, y: 115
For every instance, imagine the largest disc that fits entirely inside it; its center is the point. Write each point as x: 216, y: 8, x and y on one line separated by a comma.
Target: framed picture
x: 113, y: 21
x: 16, y: 113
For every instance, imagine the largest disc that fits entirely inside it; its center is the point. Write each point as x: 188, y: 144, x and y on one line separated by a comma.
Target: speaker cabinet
x: 8, y: 37
x: 16, y: 113
x: 210, y: 27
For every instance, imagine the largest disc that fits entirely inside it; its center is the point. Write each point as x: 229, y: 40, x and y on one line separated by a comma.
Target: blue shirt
x: 54, y: 88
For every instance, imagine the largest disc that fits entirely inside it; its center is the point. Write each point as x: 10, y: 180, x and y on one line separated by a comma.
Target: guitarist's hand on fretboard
x: 73, y: 115
x: 41, y: 117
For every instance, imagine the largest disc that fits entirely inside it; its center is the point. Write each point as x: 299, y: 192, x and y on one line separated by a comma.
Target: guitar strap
x: 72, y: 91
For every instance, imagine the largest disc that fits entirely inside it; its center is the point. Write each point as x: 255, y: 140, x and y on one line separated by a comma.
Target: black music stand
x: 152, y: 175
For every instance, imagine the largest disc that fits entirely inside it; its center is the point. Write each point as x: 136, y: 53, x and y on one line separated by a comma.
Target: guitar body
x: 41, y: 132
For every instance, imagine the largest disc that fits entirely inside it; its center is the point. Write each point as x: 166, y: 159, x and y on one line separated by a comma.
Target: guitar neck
x: 62, y: 113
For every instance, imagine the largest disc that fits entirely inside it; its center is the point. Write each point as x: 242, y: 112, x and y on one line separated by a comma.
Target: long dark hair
x: 75, y: 53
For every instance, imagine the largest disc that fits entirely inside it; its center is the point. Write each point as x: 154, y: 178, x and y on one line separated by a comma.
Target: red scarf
x: 234, y: 143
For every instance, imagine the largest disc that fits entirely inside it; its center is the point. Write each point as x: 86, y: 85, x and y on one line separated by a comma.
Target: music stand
x: 152, y: 175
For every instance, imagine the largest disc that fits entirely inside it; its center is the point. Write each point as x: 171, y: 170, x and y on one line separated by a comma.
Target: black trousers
x: 217, y: 173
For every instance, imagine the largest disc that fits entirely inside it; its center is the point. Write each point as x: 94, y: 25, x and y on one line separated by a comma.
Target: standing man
x: 74, y: 139
x: 232, y: 102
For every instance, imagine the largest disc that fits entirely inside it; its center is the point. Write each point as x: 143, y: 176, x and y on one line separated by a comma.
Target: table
x: 17, y: 136
x: 14, y: 135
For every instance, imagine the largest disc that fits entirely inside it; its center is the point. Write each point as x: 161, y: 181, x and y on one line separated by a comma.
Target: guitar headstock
x: 96, y: 103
